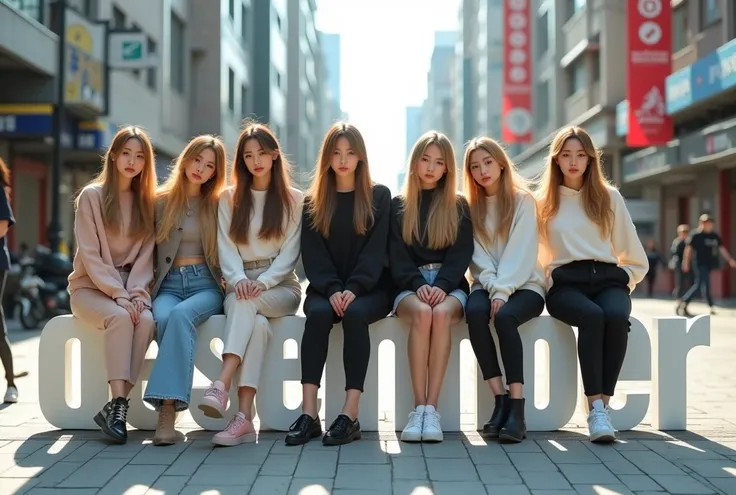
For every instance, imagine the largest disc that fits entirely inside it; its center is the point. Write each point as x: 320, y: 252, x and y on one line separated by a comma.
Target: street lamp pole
x: 54, y: 228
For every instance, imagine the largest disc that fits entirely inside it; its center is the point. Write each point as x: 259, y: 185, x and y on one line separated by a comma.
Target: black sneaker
x: 112, y: 419
x: 303, y: 430
x: 342, y: 431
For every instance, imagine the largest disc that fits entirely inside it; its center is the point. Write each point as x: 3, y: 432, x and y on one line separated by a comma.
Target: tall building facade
x: 206, y: 78
x: 270, y: 63
x: 305, y: 110
x: 331, y: 52
x: 694, y: 173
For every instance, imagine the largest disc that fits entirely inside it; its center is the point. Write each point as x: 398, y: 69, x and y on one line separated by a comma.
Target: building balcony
x: 579, y: 32
x: 577, y: 104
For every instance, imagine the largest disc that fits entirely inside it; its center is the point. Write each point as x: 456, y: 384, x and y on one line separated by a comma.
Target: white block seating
x: 657, y: 355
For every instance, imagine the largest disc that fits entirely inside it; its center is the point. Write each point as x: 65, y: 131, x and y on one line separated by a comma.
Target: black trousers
x: 356, y: 350
x: 595, y: 298
x: 5, y: 353
x: 522, y: 306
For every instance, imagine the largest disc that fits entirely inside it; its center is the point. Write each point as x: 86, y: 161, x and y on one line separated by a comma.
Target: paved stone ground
x: 35, y: 458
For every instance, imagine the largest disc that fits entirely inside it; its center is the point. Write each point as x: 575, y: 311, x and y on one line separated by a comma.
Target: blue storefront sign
x: 94, y: 135
x: 26, y: 120
x: 707, y: 77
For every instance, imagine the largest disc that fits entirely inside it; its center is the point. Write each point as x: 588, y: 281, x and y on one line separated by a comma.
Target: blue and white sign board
x: 712, y: 74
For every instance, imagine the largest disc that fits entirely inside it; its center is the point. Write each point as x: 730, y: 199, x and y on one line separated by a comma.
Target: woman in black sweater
x: 344, y: 238
x: 430, y: 248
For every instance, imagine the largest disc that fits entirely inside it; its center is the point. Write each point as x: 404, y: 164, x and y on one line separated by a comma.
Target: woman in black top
x: 430, y: 248
x: 6, y: 221
x: 344, y: 237
x: 677, y: 255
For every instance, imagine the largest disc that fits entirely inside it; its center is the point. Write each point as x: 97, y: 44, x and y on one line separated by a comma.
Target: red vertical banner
x: 516, y: 126
x: 649, y: 62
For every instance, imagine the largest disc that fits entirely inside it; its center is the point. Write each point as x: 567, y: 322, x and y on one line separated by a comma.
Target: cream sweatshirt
x: 509, y: 264
x: 285, y: 251
x: 572, y: 236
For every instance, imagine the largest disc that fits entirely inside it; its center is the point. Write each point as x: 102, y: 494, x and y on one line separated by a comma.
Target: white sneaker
x: 432, y: 430
x: 413, y: 429
x: 599, y: 424
x: 11, y: 395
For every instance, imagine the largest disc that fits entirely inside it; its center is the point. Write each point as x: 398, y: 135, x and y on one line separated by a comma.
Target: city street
x: 37, y: 459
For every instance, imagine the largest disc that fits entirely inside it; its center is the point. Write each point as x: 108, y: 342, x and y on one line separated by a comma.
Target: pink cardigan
x: 95, y: 266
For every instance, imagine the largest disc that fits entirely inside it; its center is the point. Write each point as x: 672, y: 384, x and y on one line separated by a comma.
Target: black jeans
x: 595, y: 298
x: 6, y: 356
x: 702, y: 284
x: 522, y: 306
x: 356, y: 349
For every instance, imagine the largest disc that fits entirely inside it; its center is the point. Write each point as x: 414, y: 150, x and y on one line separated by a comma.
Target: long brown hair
x: 443, y: 218
x: 510, y: 184
x: 173, y: 194
x: 322, y: 193
x: 595, y: 191
x: 5, y: 178
x: 143, y: 186
x: 279, y: 203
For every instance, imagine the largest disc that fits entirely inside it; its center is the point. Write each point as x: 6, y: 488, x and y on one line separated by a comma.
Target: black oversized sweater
x: 345, y: 260
x: 406, y: 260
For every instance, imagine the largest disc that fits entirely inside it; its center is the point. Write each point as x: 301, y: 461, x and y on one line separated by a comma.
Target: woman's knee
x: 421, y: 318
x: 505, y: 323
x: 478, y: 311
x: 355, y: 316
x: 319, y: 318
x: 442, y: 316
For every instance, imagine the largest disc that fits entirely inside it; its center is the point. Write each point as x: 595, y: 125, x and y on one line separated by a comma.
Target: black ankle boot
x: 515, y: 428
x: 498, y: 418
x: 112, y: 419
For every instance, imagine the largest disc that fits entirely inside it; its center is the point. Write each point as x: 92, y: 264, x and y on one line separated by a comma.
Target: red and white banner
x: 649, y: 62
x: 516, y: 125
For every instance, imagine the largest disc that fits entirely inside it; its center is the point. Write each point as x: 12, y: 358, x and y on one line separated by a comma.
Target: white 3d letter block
x: 672, y: 339
x: 637, y: 366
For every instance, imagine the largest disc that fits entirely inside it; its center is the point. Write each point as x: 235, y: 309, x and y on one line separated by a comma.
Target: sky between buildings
x: 385, y: 54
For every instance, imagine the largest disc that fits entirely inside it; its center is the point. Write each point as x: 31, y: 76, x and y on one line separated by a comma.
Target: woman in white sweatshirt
x: 259, y: 234
x: 508, y: 284
x: 593, y: 259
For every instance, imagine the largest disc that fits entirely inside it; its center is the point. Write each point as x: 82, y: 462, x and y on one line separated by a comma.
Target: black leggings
x: 595, y: 298
x: 522, y: 306
x: 356, y: 349
x: 5, y: 354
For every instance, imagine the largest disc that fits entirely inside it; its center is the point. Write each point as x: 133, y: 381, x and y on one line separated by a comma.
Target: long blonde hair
x: 510, y: 184
x: 173, y: 194
x: 279, y: 203
x: 143, y: 186
x: 595, y: 191
x: 443, y: 217
x: 322, y: 193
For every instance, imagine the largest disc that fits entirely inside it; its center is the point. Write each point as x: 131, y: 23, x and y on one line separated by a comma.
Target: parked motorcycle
x: 43, y: 287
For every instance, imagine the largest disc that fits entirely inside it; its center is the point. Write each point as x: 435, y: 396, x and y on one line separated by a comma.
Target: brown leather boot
x: 165, y: 431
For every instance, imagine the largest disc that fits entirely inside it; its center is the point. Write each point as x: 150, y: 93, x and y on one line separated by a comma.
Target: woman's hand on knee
x: 424, y: 292
x: 130, y: 308
x: 496, y: 306
x: 347, y: 298
x: 436, y: 296
x: 140, y: 305
x: 241, y: 289
x: 255, y: 289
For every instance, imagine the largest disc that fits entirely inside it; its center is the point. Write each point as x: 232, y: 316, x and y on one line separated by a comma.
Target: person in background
x: 655, y: 259
x: 6, y: 221
x: 706, y: 245
x: 677, y: 254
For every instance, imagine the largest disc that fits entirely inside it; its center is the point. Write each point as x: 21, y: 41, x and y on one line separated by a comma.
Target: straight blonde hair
x: 143, y: 186
x: 596, y: 197
x: 322, y: 194
x: 510, y: 184
x: 173, y: 193
x: 444, y: 215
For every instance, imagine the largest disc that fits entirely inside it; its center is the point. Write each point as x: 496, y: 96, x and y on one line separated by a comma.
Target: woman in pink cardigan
x: 113, y: 266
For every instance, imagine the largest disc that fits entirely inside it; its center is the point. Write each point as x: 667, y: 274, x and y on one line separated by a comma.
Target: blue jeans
x: 188, y: 296
x: 702, y: 285
x: 429, y: 275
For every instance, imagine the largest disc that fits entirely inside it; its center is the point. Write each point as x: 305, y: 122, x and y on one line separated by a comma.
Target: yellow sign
x: 85, y: 67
